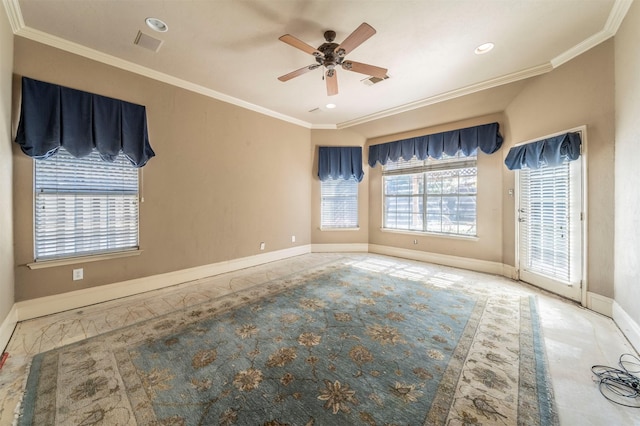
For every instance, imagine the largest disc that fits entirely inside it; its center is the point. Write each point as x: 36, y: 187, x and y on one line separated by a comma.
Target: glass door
x: 550, y: 228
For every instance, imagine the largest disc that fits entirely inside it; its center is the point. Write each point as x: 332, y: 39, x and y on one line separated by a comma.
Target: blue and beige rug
x: 339, y: 345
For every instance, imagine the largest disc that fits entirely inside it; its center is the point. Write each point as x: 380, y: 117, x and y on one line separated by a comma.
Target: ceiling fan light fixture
x: 157, y: 25
x: 484, y: 48
x: 330, y: 55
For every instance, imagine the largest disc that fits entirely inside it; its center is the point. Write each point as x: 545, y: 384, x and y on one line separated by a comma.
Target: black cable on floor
x: 620, y: 386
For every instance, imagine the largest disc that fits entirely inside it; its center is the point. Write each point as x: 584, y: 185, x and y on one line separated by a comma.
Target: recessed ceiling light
x: 156, y: 25
x: 330, y: 106
x: 483, y: 48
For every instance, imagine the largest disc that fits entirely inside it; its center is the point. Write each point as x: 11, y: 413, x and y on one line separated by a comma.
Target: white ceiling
x: 229, y: 49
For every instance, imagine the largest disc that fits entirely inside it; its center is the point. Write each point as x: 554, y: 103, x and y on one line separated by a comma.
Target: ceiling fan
x: 330, y: 55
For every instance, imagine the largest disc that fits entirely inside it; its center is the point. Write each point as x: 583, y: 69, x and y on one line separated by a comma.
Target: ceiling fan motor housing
x: 329, y: 36
x: 329, y: 56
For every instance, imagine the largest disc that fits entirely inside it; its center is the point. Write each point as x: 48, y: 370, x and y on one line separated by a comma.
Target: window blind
x: 84, y: 206
x: 431, y: 195
x: 339, y: 203
x: 545, y: 220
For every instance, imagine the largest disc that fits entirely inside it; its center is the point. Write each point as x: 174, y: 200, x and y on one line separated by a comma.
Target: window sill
x: 431, y: 234
x: 340, y: 229
x: 82, y: 259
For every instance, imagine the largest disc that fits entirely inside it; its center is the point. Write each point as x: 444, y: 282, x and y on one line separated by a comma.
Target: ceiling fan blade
x: 298, y: 72
x: 365, y: 69
x: 332, y: 82
x: 356, y: 38
x: 299, y: 44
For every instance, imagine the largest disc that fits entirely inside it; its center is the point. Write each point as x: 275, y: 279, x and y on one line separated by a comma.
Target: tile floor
x: 575, y: 338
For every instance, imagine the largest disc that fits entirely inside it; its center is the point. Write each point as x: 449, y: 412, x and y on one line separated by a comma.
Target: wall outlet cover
x: 78, y: 274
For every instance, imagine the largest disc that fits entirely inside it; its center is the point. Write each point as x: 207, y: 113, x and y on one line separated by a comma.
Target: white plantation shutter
x: 339, y: 206
x: 84, y: 206
x: 549, y: 218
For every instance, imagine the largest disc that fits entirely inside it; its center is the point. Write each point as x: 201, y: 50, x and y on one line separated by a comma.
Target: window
x: 339, y: 204
x: 437, y: 196
x: 549, y: 221
x: 84, y: 206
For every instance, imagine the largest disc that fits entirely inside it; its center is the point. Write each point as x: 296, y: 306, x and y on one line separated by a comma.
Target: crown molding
x: 581, y: 47
x: 17, y: 24
x: 616, y: 16
x: 618, y: 12
x: 467, y: 90
x: 324, y: 126
x: 14, y: 14
x: 78, y: 49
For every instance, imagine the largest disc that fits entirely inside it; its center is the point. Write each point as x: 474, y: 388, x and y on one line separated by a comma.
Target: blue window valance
x: 486, y: 137
x: 546, y: 152
x: 340, y: 162
x: 52, y: 116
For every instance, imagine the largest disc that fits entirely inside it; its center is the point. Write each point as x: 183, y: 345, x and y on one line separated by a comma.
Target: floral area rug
x: 339, y: 345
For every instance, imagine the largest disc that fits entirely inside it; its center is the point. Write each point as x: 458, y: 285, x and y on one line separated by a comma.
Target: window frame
x: 421, y: 169
x: 119, y: 200
x: 354, y: 204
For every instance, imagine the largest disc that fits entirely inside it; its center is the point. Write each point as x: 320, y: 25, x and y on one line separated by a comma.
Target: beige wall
x: 6, y: 169
x: 488, y: 244
x: 226, y: 178
x: 338, y: 138
x: 576, y: 93
x: 627, y: 194
x: 476, y: 104
x: 223, y: 180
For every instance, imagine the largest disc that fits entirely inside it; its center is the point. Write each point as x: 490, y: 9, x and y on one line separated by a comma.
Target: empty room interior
x: 207, y: 152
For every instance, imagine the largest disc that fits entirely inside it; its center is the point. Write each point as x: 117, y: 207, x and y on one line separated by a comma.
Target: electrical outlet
x: 293, y: 238
x: 262, y: 246
x: 415, y: 241
x: 78, y: 274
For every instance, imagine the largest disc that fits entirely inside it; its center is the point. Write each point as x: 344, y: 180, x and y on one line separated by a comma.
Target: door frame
x: 584, y: 216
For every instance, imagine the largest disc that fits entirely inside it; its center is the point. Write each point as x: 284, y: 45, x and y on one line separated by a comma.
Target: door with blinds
x: 550, y: 232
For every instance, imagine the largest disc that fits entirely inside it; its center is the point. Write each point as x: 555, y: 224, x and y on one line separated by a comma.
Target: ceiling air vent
x: 374, y: 80
x: 148, y: 42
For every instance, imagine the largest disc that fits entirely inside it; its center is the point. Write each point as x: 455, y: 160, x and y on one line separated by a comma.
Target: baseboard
x: 76, y: 299
x: 7, y: 326
x: 600, y: 304
x: 627, y: 325
x: 340, y: 248
x: 486, y: 266
x: 509, y: 271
